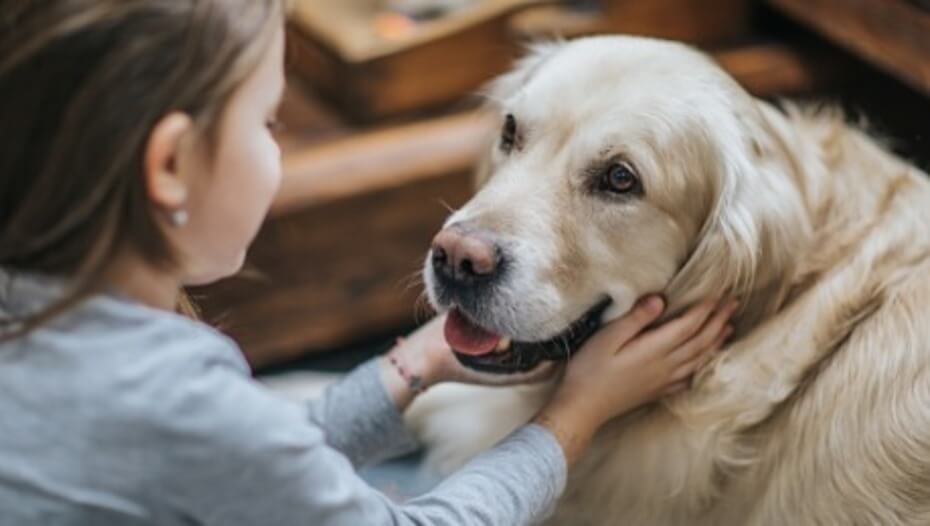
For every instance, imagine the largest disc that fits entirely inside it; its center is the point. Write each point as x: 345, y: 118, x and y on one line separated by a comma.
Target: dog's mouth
x: 482, y: 350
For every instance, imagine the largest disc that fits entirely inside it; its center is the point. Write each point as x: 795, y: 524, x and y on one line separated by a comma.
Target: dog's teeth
x: 504, y: 344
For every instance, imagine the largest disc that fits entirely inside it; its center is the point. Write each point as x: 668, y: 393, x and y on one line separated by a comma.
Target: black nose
x: 463, y: 256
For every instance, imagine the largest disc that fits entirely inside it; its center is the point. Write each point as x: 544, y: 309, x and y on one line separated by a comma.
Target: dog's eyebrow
x: 539, y: 58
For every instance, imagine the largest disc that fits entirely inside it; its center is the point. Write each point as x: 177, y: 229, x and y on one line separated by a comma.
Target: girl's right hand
x: 623, y: 367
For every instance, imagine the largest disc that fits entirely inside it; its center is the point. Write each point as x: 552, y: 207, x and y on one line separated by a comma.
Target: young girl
x: 135, y: 159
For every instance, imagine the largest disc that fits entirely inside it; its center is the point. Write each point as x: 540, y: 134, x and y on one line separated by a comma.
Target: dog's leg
x: 456, y: 422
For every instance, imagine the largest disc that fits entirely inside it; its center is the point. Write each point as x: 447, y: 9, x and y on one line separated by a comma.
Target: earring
x: 179, y: 217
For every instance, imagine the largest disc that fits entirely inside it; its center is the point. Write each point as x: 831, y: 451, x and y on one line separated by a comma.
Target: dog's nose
x: 461, y: 255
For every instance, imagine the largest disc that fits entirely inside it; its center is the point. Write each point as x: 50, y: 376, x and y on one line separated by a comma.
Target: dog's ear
x: 758, y: 219
x: 503, y: 87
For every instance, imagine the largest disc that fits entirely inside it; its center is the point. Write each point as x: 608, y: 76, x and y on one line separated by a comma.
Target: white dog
x: 630, y: 165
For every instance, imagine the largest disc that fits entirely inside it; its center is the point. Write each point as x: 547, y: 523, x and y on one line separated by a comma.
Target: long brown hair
x: 82, y: 84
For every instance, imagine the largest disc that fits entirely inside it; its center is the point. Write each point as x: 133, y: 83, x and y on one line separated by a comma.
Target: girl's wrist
x: 418, y: 369
x: 572, y: 426
x: 403, y: 379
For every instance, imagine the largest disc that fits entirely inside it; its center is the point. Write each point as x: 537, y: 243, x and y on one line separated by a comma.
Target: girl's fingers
x: 619, y: 332
x: 707, y: 335
x: 722, y: 338
x: 673, y: 333
x: 714, y: 348
x: 675, y: 388
x: 696, y: 363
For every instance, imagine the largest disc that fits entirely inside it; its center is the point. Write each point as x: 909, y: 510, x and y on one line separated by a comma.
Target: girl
x: 136, y: 159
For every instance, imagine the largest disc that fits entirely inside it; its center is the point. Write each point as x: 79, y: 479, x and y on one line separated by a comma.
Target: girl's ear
x: 167, y: 145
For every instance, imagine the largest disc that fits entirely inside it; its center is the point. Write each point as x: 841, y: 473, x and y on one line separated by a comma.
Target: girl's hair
x: 82, y: 85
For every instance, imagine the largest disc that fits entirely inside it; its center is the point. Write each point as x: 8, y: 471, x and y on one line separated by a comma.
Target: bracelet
x: 414, y: 381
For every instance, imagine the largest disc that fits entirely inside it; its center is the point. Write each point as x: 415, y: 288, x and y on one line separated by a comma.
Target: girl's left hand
x: 426, y: 353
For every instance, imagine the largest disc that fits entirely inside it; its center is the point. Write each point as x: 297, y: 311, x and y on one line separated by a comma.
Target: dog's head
x: 622, y: 166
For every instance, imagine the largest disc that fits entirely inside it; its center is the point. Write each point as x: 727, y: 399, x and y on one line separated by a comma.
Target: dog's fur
x: 818, y: 411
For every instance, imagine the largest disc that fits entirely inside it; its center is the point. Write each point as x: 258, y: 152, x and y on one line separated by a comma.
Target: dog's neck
x: 808, y: 215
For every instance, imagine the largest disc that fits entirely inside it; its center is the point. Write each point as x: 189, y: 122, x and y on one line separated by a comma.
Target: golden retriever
x: 630, y: 165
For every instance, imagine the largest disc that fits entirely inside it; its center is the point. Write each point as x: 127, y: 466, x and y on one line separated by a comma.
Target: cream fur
x: 819, y: 410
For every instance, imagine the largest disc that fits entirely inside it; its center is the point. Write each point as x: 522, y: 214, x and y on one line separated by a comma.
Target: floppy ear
x: 503, y: 87
x: 758, y: 220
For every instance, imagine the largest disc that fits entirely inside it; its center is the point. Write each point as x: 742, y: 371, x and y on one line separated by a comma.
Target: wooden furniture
x: 337, y: 261
x: 336, y: 46
x: 894, y: 35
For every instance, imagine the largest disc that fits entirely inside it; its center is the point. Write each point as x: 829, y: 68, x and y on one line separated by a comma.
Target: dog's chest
x: 651, y: 469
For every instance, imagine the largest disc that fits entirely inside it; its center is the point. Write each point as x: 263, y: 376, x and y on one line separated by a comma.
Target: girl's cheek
x: 274, y: 163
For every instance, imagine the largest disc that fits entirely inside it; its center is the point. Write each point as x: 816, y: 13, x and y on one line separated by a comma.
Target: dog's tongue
x: 467, y: 338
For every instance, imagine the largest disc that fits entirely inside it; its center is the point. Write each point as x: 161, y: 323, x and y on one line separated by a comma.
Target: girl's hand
x: 622, y: 367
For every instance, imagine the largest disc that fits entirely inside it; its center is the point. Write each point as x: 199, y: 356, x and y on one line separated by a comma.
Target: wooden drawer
x: 335, y: 48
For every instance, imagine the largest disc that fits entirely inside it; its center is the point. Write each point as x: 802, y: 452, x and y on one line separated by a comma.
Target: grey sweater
x: 119, y: 414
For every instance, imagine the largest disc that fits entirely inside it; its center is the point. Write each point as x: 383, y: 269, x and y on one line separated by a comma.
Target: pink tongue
x: 466, y: 337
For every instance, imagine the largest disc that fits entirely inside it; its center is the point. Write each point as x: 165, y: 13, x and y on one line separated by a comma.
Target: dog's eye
x: 509, y: 134
x: 620, y: 178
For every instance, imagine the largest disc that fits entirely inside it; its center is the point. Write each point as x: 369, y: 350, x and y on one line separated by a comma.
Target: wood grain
x: 381, y: 160
x: 892, y: 34
x: 370, y: 79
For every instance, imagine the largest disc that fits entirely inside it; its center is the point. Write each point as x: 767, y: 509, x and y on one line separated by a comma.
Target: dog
x: 629, y: 165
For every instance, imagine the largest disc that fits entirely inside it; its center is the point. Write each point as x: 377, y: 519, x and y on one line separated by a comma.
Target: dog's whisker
x: 413, y: 280
x: 566, y: 345
x: 422, y: 310
x: 451, y: 209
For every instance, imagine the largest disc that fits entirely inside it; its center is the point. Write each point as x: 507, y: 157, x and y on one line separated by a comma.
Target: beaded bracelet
x: 414, y: 381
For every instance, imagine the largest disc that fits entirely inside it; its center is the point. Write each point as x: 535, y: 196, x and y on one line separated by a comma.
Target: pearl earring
x: 179, y: 217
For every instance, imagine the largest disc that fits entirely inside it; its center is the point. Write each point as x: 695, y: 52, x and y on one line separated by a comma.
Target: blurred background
x: 382, y: 129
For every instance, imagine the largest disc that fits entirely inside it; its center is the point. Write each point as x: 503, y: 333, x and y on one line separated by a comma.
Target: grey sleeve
x: 234, y: 454
x: 359, y: 418
x: 517, y: 482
